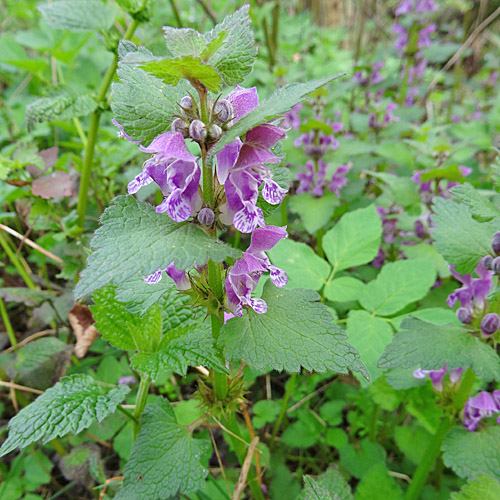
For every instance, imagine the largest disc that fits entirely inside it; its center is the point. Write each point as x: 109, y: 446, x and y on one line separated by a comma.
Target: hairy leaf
x: 165, y: 459
x: 459, y: 238
x: 483, y: 487
x: 331, y: 484
x: 425, y: 345
x: 185, y: 346
x: 304, y: 268
x: 135, y: 239
x: 398, y: 284
x: 471, y: 454
x: 479, y: 205
x: 184, y: 41
x: 279, y: 102
x: 78, y: 15
x: 296, y: 331
x: 71, y: 406
x: 62, y: 107
x: 355, y: 240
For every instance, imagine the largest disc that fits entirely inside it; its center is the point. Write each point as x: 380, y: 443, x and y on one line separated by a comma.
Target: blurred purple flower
x: 437, y: 376
x: 479, y: 407
x: 424, y: 36
x: 402, y: 38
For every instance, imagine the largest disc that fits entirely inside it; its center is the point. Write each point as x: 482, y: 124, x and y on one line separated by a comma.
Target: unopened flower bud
x: 223, y: 110
x: 206, y: 216
x: 495, y: 243
x: 464, y: 315
x: 214, y: 133
x: 486, y: 261
x: 419, y: 229
x: 490, y: 324
x: 198, y: 130
x: 495, y: 265
x: 180, y: 126
x: 187, y: 102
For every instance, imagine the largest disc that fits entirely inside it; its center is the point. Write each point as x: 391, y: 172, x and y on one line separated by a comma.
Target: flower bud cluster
x: 438, y: 377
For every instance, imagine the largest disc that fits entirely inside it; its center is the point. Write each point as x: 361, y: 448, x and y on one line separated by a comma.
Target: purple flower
x: 338, y: 180
x: 479, y: 407
x: 402, y: 39
x: 123, y: 134
x: 292, y: 118
x: 426, y: 6
x: 243, y: 101
x: 472, y: 294
x: 243, y: 277
x: 179, y: 277
x: 490, y: 324
x: 424, y: 36
x: 128, y: 379
x: 404, y: 7
x: 437, y: 376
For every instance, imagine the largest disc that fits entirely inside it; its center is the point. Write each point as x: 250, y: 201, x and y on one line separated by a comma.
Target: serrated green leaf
x: 185, y: 346
x: 165, y: 457
x: 304, y: 268
x: 315, y: 491
x: 480, y: 206
x: 376, y: 484
x: 483, y: 487
x: 62, y: 107
x: 234, y: 58
x: 279, y: 102
x: 332, y: 482
x: 142, y: 104
x: 71, y: 406
x: 144, y: 241
x: 314, y: 212
x: 121, y: 328
x: 214, y: 45
x: 471, y: 454
x: 296, y: 331
x: 344, y: 289
x: 429, y: 346
x: 355, y: 239
x: 369, y: 335
x: 78, y: 15
x: 184, y: 41
x: 24, y: 295
x: 187, y: 67
x: 397, y: 285
x: 424, y: 250
x: 460, y: 239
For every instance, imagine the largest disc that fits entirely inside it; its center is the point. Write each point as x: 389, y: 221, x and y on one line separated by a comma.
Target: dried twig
x: 29, y: 339
x: 223, y: 472
x: 240, y: 485
x: 11, y: 385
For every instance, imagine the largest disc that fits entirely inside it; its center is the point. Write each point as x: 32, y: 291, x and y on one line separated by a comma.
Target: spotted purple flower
x: 243, y: 277
x: 179, y: 277
x: 437, y: 376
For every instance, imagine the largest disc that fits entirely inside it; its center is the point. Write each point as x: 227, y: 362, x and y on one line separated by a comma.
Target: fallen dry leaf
x: 82, y: 322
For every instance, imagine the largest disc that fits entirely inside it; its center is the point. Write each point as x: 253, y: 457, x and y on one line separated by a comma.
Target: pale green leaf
x: 331, y: 484
x: 403, y: 189
x: 69, y: 407
x: 369, y: 335
x: 314, y: 212
x: 344, y: 289
x: 184, y: 41
x: 398, y: 284
x: 134, y: 239
x: 304, y: 268
x: 279, y: 102
x: 480, y: 206
x: 424, y: 250
x: 296, y: 331
x: 165, y: 457
x: 78, y: 15
x: 483, y: 487
x: 471, y: 454
x: 459, y: 238
x: 429, y: 346
x: 355, y: 239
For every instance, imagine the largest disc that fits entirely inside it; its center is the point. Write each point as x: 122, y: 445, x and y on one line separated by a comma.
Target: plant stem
x: 7, y: 323
x: 428, y: 459
x: 284, y: 212
x: 220, y: 379
x: 94, y: 127
x: 176, y: 13
x: 319, y: 243
x: 140, y: 402
x: 464, y: 390
x: 126, y: 413
x: 288, y: 392
x: 17, y: 263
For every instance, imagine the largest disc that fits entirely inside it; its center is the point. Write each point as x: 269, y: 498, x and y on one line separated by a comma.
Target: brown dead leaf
x: 82, y: 322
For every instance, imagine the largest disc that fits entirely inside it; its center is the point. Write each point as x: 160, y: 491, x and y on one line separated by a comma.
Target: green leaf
x: 481, y: 488
x: 78, y: 15
x: 397, y: 285
x: 185, y: 346
x: 359, y: 462
x: 25, y: 296
x: 187, y: 67
x: 71, y: 406
x: 369, y: 335
x: 142, y: 104
x: 376, y: 484
x: 133, y: 239
x: 413, y: 441
x: 234, y: 58
x: 331, y: 484
x: 314, y: 212
x: 355, y: 239
x: 403, y: 189
x: 429, y: 346
x: 165, y: 459
x: 397, y: 152
x: 304, y: 268
x: 459, y: 238
x: 479, y: 205
x: 121, y: 328
x: 344, y: 289
x: 472, y: 454
x: 62, y: 107
x: 303, y: 433
x: 184, y: 41
x: 296, y: 331
x: 264, y: 412
x: 279, y: 102
x: 424, y: 250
